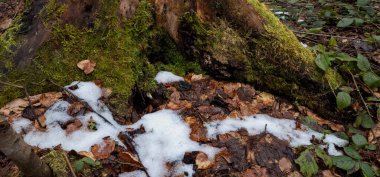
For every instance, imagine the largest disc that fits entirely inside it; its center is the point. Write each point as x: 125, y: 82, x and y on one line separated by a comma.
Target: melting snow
x: 137, y: 173
x: 166, y: 139
x: 79, y: 140
x: 283, y: 129
x: 167, y: 77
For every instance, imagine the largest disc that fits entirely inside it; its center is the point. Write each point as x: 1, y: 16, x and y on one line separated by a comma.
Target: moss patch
x: 56, y: 161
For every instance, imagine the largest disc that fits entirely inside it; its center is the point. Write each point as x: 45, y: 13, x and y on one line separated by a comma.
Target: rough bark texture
x: 230, y: 39
x: 14, y: 147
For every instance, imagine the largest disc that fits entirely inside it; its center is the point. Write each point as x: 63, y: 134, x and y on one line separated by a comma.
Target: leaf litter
x: 204, y: 128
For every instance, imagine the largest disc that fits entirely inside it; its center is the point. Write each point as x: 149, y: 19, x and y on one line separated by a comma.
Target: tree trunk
x: 14, y: 147
x: 130, y: 40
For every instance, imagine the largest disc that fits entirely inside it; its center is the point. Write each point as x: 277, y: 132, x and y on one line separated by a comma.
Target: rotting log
x: 130, y: 40
x: 14, y: 147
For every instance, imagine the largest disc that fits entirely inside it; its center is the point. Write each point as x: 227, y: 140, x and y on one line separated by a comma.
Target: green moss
x: 56, y: 161
x: 333, y: 78
x: 116, y: 47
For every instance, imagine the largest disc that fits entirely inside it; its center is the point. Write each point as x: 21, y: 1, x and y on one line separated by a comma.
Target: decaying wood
x: 14, y: 147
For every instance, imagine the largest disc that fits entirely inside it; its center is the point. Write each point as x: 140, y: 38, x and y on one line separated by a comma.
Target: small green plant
x: 80, y: 164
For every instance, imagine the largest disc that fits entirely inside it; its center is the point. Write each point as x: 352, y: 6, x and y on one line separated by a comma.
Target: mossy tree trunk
x: 131, y: 40
x: 14, y: 147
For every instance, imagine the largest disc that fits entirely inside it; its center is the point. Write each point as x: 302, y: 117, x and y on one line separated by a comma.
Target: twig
x: 361, y: 97
x: 69, y: 164
x: 10, y: 84
x: 129, y: 142
x: 85, y: 104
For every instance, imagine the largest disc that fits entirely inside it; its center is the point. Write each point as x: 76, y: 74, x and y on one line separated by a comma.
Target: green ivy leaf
x: 343, y: 100
x: 343, y: 162
x: 344, y: 57
x: 367, y: 122
x: 89, y: 161
x: 367, y: 170
x: 307, y: 163
x: 359, y: 140
x: 323, y: 155
x: 363, y: 63
x: 78, y: 165
x: 352, y: 153
x: 345, y: 22
x: 358, y: 21
x: 322, y: 62
x: 371, y: 147
x: 332, y: 42
x: 342, y: 135
x: 363, y: 2
x: 371, y: 79
x: 359, y: 119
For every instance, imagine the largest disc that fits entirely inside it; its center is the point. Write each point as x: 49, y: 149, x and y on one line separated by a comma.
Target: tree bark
x: 239, y: 40
x: 14, y: 147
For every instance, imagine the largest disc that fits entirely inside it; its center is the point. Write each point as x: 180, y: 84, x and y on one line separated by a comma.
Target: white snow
x: 167, y: 77
x: 79, y: 140
x: 166, y: 139
x: 304, y: 45
x: 20, y: 124
x: 283, y: 129
x: 137, y: 173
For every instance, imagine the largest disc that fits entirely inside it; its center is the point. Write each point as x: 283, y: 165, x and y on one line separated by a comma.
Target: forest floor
x: 200, y: 100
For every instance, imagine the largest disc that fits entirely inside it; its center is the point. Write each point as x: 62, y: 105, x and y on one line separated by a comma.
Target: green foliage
x: 352, y: 153
x: 343, y: 162
x: 307, y: 163
x: 343, y: 100
x: 371, y: 79
x: 79, y: 165
x: 327, y: 160
x: 359, y: 140
x: 363, y: 63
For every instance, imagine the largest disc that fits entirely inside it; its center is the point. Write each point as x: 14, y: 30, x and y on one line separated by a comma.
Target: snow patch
x: 137, y: 173
x: 167, y: 77
x: 304, y: 45
x: 21, y: 124
x: 283, y: 129
x: 166, y: 139
x: 79, y: 140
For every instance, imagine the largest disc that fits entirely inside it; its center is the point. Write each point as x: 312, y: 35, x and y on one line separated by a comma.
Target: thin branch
x: 10, y: 84
x: 69, y: 164
x: 327, y: 35
x: 360, y: 94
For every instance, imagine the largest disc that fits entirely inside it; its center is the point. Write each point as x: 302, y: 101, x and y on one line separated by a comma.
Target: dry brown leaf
x: 374, y: 133
x: 256, y: 171
x: 328, y: 173
x: 295, y: 174
x: 75, y: 108
x: 88, y: 66
x: 87, y: 154
x: 73, y: 126
x: 103, y: 150
x: 196, y: 77
x: 231, y: 89
x: 203, y: 162
x: 106, y: 92
x: 266, y: 99
x: 48, y: 99
x: 285, y: 165
x: 129, y: 158
x: 42, y: 120
x: 14, y: 108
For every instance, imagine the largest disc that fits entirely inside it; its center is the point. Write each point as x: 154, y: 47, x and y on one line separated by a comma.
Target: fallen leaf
x: 256, y: 171
x: 196, y: 77
x: 203, y: 162
x: 103, y: 150
x: 88, y: 66
x: 231, y: 88
x: 42, y: 121
x: 106, y: 92
x: 14, y: 108
x: 374, y: 133
x: 73, y: 126
x: 328, y: 173
x: 75, y: 108
x: 48, y: 99
x: 266, y: 99
x: 129, y: 158
x: 285, y: 165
